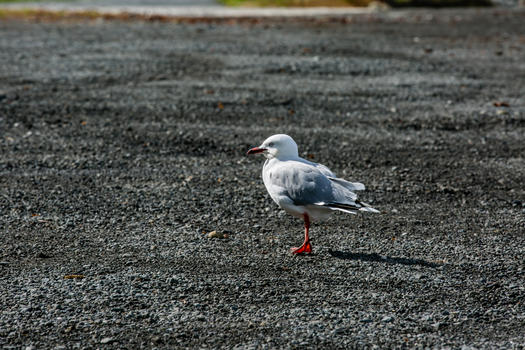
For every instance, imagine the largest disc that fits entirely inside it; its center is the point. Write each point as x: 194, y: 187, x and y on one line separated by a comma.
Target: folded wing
x: 307, y: 183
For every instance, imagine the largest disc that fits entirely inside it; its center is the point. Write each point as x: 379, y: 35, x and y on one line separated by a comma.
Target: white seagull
x: 305, y: 189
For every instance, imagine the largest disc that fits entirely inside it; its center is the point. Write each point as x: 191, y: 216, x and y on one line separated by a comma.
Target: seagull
x: 305, y: 189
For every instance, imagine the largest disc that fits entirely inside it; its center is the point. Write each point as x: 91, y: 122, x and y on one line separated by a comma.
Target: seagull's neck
x: 284, y: 158
x: 274, y: 161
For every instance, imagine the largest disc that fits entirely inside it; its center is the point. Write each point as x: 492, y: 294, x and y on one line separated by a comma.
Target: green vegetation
x: 296, y: 3
x: 48, y: 15
x: 437, y: 3
x: 341, y: 3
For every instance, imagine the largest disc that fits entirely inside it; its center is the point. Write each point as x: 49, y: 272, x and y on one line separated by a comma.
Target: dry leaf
x: 215, y: 234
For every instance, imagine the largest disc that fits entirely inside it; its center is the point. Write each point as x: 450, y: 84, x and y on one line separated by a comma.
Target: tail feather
x: 349, y: 207
x: 344, y: 210
x: 368, y: 208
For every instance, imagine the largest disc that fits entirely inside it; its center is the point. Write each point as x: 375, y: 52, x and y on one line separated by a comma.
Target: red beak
x: 256, y: 150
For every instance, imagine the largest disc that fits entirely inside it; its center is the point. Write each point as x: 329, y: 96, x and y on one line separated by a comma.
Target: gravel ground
x: 122, y: 145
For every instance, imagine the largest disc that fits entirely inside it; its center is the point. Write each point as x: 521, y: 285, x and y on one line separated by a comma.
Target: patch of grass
x: 31, y: 14
x: 296, y: 3
x: 438, y: 3
x: 343, y: 3
x: 75, y: 16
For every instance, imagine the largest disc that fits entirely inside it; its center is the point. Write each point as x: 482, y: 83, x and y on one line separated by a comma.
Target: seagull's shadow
x: 374, y: 257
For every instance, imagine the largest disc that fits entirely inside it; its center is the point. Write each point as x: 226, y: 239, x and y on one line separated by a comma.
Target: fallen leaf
x: 83, y: 122
x: 69, y: 277
x: 220, y: 105
x: 501, y: 104
x: 215, y: 234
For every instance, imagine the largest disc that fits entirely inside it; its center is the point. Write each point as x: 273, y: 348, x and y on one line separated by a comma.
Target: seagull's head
x: 277, y: 146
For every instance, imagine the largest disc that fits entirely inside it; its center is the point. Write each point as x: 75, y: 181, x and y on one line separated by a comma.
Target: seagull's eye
x: 270, y: 144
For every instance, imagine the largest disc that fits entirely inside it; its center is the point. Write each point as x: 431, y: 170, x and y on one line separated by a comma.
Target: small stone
x: 106, y: 340
x: 387, y: 319
x: 426, y: 317
x: 156, y: 340
x: 339, y: 330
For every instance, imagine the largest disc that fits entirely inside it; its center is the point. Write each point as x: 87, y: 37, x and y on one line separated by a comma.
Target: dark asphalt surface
x: 122, y: 145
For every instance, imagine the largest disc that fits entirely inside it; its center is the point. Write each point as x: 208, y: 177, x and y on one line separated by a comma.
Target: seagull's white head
x: 278, y: 146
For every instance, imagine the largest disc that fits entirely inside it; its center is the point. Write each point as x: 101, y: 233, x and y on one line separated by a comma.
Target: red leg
x: 306, y: 247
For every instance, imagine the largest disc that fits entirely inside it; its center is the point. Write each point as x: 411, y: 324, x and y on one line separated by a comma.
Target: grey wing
x: 352, y: 186
x: 344, y: 199
x: 324, y: 170
x: 303, y: 183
